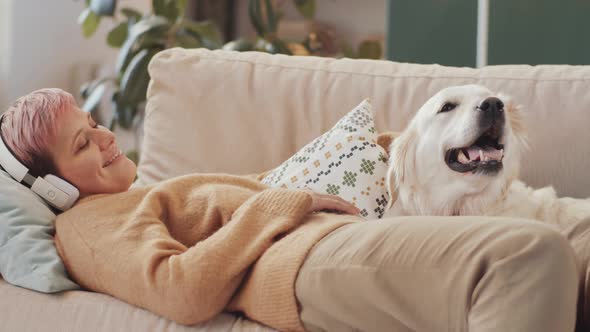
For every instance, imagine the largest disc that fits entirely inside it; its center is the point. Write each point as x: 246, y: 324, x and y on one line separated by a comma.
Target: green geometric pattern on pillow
x: 345, y: 161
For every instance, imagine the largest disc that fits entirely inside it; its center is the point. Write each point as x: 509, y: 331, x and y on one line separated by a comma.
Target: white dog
x: 460, y: 155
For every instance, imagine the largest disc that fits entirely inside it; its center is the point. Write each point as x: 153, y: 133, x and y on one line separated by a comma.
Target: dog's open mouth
x: 483, y: 156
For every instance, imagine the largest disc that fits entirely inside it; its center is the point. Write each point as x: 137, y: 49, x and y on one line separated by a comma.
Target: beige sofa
x: 241, y: 113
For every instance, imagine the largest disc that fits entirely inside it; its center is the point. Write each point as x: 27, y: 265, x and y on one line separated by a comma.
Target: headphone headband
x: 54, y: 190
x: 8, y: 161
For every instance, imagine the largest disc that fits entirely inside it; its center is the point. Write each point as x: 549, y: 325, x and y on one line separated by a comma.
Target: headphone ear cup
x: 63, y: 185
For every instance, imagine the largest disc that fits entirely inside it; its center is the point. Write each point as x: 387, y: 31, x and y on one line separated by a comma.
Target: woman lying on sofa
x: 193, y: 246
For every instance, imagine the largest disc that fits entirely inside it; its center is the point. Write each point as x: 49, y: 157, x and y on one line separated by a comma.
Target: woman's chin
x: 130, y: 173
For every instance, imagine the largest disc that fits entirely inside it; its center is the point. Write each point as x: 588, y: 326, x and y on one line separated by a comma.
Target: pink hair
x: 29, y: 127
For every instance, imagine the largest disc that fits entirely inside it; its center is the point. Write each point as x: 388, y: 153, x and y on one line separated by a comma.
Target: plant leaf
x: 281, y: 47
x: 115, y: 113
x: 135, y: 80
x: 89, y: 22
x: 93, y: 100
x: 173, y: 10
x: 103, y: 7
x: 117, y: 36
x: 187, y: 40
x: 348, y: 51
x: 123, y: 113
x: 263, y: 45
x: 155, y: 39
x: 306, y: 8
x: 255, y: 17
x: 239, y: 45
x: 270, y: 16
x: 147, y: 25
x: 87, y: 88
x: 166, y: 8
x: 159, y: 7
x: 370, y: 49
x: 207, y: 31
x: 131, y: 14
x: 181, y: 7
x: 273, y: 47
x: 152, y: 40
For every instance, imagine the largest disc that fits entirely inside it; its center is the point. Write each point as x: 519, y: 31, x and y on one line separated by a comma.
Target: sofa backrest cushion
x: 241, y: 113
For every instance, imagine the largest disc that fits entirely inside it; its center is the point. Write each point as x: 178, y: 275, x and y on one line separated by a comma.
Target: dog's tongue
x: 487, y: 153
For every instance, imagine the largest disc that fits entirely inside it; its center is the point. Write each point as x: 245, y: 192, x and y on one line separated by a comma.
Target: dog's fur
x: 424, y: 183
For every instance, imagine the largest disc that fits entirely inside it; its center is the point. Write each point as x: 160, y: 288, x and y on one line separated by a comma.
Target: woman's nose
x: 104, y: 138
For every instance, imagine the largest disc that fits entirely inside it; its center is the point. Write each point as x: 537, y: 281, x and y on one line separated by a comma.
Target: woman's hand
x: 323, y: 202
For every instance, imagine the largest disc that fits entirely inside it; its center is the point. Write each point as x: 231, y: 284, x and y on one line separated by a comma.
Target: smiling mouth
x: 113, y: 158
x: 483, y: 156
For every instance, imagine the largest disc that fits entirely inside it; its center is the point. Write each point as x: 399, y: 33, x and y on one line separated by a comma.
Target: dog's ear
x: 401, y: 161
x: 517, y: 121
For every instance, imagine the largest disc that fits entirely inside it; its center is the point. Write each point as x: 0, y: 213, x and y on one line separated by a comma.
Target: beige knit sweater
x: 193, y: 246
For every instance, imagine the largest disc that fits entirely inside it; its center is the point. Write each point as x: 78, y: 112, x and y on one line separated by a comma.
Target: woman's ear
x: 401, y: 162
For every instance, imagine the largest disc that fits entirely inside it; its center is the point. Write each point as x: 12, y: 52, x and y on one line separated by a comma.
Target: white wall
x: 5, y: 42
x: 352, y: 20
x: 41, y: 45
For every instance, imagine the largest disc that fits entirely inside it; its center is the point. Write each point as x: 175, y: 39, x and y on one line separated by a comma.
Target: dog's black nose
x: 492, y: 104
x: 492, y: 112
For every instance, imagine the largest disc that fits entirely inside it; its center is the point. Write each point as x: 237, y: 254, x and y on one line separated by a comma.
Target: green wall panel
x: 432, y: 31
x: 539, y: 32
x: 520, y: 32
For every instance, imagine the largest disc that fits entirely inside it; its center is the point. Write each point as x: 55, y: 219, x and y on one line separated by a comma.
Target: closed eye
x: 447, y: 107
x: 82, y: 147
x: 86, y: 143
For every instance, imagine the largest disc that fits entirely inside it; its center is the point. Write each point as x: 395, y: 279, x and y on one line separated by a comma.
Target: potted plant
x: 139, y: 37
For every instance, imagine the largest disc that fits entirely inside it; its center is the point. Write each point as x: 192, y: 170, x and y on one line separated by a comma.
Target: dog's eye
x: 447, y: 107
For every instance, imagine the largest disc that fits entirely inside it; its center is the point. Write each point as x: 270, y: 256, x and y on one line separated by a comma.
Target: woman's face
x: 87, y: 156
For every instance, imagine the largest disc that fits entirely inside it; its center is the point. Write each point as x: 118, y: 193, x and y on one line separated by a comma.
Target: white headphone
x: 54, y: 190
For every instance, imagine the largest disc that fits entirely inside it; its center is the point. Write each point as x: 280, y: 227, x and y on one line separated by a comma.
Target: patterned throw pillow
x: 345, y: 161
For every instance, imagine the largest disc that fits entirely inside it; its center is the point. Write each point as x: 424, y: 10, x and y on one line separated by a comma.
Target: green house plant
x: 138, y: 37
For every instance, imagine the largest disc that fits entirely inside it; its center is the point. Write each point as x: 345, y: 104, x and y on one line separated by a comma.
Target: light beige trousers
x: 455, y: 274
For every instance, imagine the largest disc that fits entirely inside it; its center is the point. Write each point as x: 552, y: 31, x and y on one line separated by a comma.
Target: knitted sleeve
x: 189, y: 285
x: 206, y: 275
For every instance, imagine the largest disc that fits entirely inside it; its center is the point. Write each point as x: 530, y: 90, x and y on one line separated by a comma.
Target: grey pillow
x: 28, y: 257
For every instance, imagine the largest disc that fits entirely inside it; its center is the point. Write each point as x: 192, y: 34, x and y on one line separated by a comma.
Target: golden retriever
x: 460, y: 155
